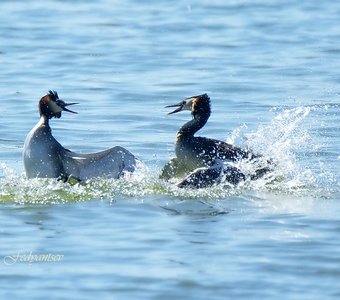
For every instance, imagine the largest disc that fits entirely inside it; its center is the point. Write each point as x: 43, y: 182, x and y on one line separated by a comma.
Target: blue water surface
x: 271, y: 69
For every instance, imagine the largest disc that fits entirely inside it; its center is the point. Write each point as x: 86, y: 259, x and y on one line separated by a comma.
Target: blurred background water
x: 271, y: 69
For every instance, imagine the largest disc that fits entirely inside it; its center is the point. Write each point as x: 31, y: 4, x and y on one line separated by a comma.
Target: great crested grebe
x: 45, y: 157
x: 204, y: 159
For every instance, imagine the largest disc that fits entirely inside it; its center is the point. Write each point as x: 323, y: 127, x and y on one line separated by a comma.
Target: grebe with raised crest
x: 45, y: 157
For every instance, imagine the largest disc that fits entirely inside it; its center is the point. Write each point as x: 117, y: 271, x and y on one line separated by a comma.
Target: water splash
x: 281, y: 140
x: 286, y: 139
x: 144, y: 183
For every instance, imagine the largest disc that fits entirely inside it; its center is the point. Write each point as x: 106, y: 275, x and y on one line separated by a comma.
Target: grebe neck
x: 194, y: 125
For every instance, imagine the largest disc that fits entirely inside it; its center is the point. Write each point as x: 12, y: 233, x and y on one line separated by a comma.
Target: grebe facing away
x: 45, y: 157
x: 204, y: 159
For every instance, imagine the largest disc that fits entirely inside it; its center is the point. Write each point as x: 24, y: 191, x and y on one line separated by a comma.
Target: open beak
x: 178, y: 109
x: 63, y: 105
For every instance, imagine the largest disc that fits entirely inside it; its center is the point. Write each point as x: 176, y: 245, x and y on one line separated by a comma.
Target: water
x: 271, y: 70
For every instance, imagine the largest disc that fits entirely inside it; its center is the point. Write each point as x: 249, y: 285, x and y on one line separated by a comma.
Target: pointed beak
x: 63, y: 106
x: 178, y: 109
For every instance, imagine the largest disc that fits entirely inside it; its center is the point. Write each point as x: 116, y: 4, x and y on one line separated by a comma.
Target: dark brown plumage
x: 196, y: 152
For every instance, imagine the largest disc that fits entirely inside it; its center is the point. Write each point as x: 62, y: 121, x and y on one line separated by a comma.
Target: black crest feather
x: 53, y: 94
x: 201, y: 106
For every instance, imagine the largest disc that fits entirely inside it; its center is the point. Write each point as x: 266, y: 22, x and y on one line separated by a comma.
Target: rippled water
x: 271, y: 70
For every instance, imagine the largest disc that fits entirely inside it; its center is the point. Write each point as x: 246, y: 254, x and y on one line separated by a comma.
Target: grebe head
x: 198, y: 105
x: 51, y: 106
